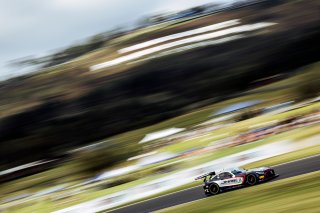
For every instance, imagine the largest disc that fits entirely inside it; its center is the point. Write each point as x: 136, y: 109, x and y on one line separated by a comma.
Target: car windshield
x: 237, y: 170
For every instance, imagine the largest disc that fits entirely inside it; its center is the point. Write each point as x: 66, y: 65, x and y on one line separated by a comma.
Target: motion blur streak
x: 239, y: 29
x: 180, y: 35
x: 191, y: 46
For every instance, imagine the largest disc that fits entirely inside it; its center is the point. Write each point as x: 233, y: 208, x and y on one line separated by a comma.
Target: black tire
x: 252, y: 180
x: 214, y: 189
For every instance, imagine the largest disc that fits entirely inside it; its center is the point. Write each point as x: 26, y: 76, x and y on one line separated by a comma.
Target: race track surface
x: 285, y: 170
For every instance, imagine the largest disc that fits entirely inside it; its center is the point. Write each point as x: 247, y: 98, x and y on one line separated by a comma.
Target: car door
x: 228, y: 179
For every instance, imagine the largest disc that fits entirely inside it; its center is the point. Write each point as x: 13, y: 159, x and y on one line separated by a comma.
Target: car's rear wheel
x: 214, y: 189
x: 251, y: 180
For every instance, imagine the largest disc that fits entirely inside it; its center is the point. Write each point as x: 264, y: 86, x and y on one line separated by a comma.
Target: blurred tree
x: 309, y: 86
x: 93, y: 160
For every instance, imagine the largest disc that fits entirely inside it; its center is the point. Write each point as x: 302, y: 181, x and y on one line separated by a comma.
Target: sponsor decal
x: 232, y: 181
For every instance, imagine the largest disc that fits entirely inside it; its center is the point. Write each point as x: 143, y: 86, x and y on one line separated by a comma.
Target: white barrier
x: 185, y: 41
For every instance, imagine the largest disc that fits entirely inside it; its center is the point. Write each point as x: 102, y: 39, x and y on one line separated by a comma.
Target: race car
x: 216, y: 182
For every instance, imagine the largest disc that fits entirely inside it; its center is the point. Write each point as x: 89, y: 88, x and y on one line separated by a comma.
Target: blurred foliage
x: 43, y: 116
x: 93, y: 160
x: 247, y: 115
x: 309, y: 86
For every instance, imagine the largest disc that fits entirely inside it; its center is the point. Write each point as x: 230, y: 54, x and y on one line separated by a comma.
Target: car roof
x: 229, y: 170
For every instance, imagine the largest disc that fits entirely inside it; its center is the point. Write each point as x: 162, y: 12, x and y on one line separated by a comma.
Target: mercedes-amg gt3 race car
x: 216, y: 182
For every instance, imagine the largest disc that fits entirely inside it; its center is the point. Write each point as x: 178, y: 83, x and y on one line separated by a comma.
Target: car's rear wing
x: 205, y: 175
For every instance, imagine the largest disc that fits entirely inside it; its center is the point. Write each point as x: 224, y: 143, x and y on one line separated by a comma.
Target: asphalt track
x: 284, y: 170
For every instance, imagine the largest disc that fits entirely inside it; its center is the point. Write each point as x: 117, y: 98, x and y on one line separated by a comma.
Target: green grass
x: 290, y: 83
x: 296, y: 155
x: 300, y: 133
x: 294, y: 134
x: 39, y: 181
x: 240, y: 127
x: 296, y: 194
x: 303, y: 153
x: 199, y: 115
x: 34, y: 207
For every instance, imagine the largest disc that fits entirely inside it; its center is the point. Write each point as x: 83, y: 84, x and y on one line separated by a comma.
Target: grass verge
x: 296, y: 194
x: 303, y: 153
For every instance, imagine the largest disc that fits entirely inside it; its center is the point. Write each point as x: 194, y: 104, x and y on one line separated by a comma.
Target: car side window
x: 216, y: 177
x: 221, y: 176
x: 225, y: 175
x: 228, y: 175
x: 235, y: 172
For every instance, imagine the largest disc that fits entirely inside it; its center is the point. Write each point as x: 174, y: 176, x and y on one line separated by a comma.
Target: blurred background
x: 100, y: 100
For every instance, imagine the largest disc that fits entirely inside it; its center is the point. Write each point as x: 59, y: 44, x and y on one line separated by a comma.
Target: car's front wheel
x: 214, y: 189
